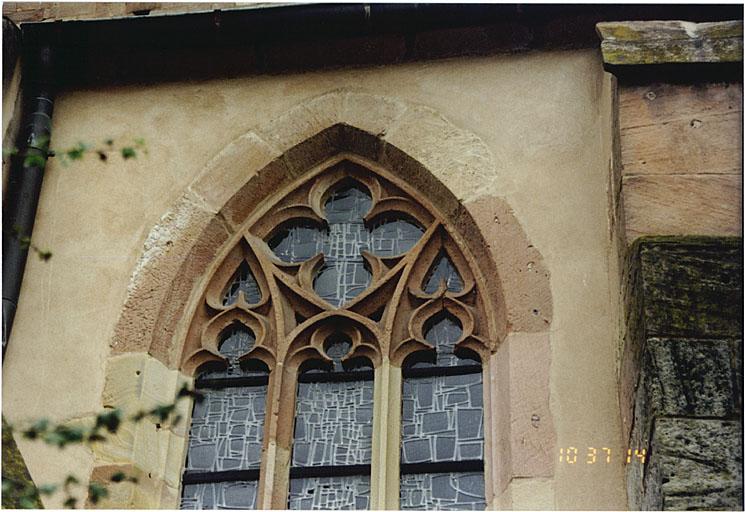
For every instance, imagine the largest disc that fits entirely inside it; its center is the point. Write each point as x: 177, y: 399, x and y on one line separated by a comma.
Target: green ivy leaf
x: 30, y: 433
x: 97, y: 492
x: 111, y: 420
x: 185, y: 391
x: 119, y: 476
x: 47, y: 489
x: 34, y: 160
x: 128, y: 152
x: 162, y: 411
x: 94, y: 438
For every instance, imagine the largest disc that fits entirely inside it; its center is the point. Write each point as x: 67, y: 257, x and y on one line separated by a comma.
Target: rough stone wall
x: 683, y: 366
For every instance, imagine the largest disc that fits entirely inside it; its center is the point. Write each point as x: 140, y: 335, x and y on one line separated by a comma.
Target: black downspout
x: 24, y: 182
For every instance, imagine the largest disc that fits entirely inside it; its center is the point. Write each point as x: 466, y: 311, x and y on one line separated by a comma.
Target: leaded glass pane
x: 344, y: 274
x: 442, y: 419
x: 243, y: 281
x: 443, y: 331
x: 226, y: 429
x: 348, y: 202
x: 235, y: 342
x: 336, y: 347
x: 443, y: 270
x: 298, y: 241
x: 393, y: 237
x: 333, y: 423
x: 443, y: 491
x: 333, y: 493
x: 221, y: 495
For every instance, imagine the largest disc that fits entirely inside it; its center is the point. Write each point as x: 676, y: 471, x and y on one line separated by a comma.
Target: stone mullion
x: 280, y: 402
x: 385, y: 474
x: 386, y: 428
x: 279, y: 445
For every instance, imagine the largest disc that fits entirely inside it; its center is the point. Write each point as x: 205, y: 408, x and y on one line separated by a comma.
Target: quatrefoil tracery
x: 346, y: 254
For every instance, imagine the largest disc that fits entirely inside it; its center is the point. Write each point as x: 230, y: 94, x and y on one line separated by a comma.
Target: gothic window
x: 348, y: 276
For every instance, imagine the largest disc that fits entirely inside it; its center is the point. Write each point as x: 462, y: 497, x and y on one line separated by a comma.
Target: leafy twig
x: 62, y: 435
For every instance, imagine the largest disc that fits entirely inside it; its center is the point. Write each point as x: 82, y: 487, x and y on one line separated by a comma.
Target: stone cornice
x: 670, y: 42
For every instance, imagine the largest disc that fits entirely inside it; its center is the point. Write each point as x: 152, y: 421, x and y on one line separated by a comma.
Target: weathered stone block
x: 737, y: 358
x: 682, y: 358
x: 697, y: 465
x: 692, y: 286
x: 684, y: 377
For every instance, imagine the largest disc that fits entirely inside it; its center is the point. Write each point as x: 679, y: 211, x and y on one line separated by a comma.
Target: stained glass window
x: 442, y: 420
x: 224, y: 454
x: 332, y: 447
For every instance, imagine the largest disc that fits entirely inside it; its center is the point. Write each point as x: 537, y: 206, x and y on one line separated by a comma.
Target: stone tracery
x: 348, y: 247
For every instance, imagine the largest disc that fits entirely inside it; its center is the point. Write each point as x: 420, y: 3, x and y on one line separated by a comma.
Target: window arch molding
x: 201, y: 231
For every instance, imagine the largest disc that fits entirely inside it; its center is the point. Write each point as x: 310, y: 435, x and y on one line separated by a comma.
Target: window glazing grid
x: 334, y: 493
x: 333, y: 424
x: 442, y: 419
x: 443, y: 491
x: 333, y: 431
x: 227, y: 429
x: 220, y: 496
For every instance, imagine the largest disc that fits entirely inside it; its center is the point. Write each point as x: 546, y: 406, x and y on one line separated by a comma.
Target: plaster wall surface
x: 544, y: 117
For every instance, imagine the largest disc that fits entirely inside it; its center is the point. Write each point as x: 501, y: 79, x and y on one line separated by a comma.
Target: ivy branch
x: 77, y: 152
x: 61, y: 435
x: 26, y: 243
x: 65, y: 156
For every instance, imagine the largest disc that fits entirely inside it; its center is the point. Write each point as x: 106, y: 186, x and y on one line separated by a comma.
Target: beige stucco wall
x: 545, y: 117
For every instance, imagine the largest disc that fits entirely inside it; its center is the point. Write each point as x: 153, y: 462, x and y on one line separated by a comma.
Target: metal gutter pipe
x: 24, y: 182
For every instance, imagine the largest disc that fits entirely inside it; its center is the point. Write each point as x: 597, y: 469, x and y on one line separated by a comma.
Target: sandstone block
x: 700, y: 204
x: 230, y: 169
x: 456, y: 157
x: 371, y: 113
x: 165, y: 248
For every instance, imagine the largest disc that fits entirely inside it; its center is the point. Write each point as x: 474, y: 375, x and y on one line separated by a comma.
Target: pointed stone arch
x: 446, y: 163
